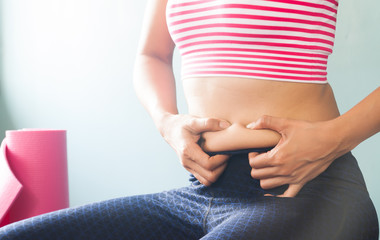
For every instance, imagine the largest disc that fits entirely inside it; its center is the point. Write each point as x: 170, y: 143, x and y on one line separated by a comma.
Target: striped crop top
x: 285, y: 40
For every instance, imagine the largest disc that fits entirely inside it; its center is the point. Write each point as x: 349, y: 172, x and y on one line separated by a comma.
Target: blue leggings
x: 335, y: 205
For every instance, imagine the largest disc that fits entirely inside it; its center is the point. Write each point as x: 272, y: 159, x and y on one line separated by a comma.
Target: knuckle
x: 251, y: 162
x: 272, y: 160
x: 211, y: 123
x: 181, y: 152
x: 207, y: 183
x: 185, y: 163
x: 298, y: 179
x: 204, y: 180
x: 285, y: 172
x: 211, y: 177
x: 190, y: 122
x: 278, y: 159
x: 183, y: 157
x: 264, y: 185
x: 208, y: 165
x: 208, y: 123
x: 293, y: 175
x: 185, y: 150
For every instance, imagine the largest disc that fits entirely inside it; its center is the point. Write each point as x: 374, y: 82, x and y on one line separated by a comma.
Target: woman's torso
x: 243, y: 100
x: 242, y: 59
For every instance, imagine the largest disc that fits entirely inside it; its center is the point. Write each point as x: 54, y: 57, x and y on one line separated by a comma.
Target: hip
x: 341, y: 182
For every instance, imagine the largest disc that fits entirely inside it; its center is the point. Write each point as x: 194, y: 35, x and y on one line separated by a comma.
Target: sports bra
x: 284, y: 40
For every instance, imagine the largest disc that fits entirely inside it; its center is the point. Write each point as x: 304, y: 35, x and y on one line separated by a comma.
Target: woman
x: 258, y: 136
x: 242, y: 60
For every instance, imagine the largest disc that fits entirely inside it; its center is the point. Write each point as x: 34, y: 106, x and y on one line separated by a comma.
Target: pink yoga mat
x: 10, y: 187
x: 37, y: 160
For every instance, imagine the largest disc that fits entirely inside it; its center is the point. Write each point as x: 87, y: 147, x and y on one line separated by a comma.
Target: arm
x: 155, y: 86
x: 322, y: 142
x: 153, y: 75
x: 360, y: 122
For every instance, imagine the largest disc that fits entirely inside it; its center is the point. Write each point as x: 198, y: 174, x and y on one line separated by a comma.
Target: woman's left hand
x: 305, y: 150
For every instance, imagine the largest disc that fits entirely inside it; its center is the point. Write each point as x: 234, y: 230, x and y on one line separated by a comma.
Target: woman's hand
x: 183, y: 132
x: 305, y: 150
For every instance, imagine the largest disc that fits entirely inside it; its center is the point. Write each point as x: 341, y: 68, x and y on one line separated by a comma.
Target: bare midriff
x: 241, y: 101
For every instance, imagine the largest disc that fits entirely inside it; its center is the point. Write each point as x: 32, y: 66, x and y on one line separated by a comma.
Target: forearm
x: 155, y: 87
x: 360, y: 122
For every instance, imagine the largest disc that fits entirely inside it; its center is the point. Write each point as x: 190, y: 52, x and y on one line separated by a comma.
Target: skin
x: 322, y: 142
x: 301, y: 120
x: 219, y: 97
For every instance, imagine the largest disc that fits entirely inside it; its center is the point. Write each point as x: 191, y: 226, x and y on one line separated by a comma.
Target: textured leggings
x: 335, y: 205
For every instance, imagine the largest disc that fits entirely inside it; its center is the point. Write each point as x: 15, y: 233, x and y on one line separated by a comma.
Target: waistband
x: 241, y: 151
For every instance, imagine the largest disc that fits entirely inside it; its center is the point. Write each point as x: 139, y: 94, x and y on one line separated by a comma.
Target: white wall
x: 353, y: 72
x: 68, y: 65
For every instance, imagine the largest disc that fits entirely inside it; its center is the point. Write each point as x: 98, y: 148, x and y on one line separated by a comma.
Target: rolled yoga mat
x: 37, y: 161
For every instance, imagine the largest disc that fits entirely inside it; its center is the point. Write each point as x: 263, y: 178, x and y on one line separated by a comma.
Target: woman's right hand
x: 183, y: 132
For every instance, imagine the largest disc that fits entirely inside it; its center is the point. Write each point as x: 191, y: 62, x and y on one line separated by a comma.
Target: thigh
x: 335, y: 205
x: 294, y: 218
x: 153, y: 216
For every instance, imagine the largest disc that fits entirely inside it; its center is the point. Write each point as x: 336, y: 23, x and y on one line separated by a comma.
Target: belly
x: 241, y: 101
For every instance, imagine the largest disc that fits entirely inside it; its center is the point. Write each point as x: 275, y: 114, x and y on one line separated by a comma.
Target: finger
x: 206, y: 177
x: 216, y: 161
x: 264, y: 173
x: 252, y: 155
x: 262, y: 160
x: 269, y: 183
x: 268, y: 122
x: 199, y: 125
x: 201, y: 179
x: 292, y: 190
x: 205, y: 161
x: 208, y: 169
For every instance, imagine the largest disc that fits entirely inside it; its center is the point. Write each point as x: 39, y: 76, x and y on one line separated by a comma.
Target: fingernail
x: 224, y: 124
x: 268, y: 195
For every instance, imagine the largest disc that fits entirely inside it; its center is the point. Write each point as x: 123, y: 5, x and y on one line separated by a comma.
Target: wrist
x: 162, y: 120
x: 341, y: 131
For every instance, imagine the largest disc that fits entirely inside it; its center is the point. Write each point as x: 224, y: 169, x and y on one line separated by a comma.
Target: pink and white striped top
x: 285, y: 40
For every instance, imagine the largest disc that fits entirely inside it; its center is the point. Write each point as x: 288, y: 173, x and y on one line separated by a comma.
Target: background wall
x: 68, y: 65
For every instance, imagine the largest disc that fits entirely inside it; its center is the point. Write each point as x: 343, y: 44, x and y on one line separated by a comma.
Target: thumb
x: 268, y: 122
x: 199, y: 125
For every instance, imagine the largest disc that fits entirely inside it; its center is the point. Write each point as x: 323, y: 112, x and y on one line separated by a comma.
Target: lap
x: 184, y: 214
x: 335, y: 204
